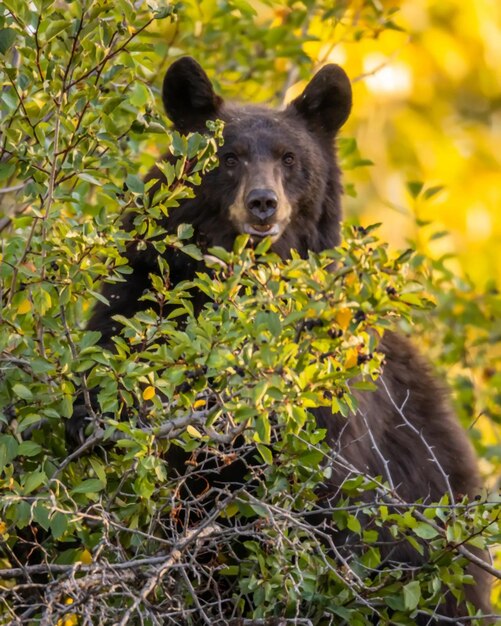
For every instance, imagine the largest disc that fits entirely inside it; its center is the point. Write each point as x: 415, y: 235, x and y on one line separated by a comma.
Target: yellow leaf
x: 351, y: 358
x: 193, y: 431
x: 343, y: 318
x: 68, y: 620
x: 24, y: 307
x: 280, y: 64
x: 334, y: 364
x: 8, y: 583
x: 230, y: 511
x: 4, y: 582
x: 350, y: 279
x: 198, y: 403
x: 149, y: 393
x: 86, y: 559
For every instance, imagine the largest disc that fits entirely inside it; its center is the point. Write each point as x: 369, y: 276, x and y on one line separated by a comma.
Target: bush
x: 106, y: 533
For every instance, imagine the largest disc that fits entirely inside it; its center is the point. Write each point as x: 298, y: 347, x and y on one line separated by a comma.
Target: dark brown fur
x: 408, y: 422
x: 396, y: 427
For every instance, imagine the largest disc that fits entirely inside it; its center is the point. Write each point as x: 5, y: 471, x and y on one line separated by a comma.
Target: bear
x: 278, y: 177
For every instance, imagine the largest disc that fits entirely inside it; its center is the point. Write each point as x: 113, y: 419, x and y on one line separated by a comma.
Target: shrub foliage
x: 106, y: 533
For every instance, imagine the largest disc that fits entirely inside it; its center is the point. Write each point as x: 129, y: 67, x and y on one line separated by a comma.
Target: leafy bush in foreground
x: 106, y: 533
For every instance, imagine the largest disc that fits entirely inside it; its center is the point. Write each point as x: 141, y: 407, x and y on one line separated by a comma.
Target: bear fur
x: 278, y: 176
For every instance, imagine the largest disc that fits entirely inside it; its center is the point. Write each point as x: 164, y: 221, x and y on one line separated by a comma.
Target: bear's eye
x: 288, y: 159
x: 230, y: 160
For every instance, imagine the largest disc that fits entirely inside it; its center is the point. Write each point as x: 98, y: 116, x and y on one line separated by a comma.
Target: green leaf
x: 266, y: 454
x: 425, y: 531
x: 8, y: 449
x: 41, y: 514
x: 354, y: 524
x: 432, y: 191
x: 98, y: 467
x: 58, y: 525
x: 140, y: 95
x: 54, y: 28
x: 230, y: 570
x: 396, y: 602
x: 415, y: 187
x: 6, y: 170
x: 274, y: 324
x: 112, y: 103
x: 22, y: 392
x: 134, y: 183
x: 439, y: 234
x: 33, y: 480
x: 89, y: 178
x: 405, y: 256
x: 179, y: 144
x: 364, y: 385
x: 193, y: 251
x: 263, y: 429
x: 244, y: 7
x: 7, y: 38
x: 184, y: 231
x: 29, y: 448
x: 412, y: 595
x: 91, y: 485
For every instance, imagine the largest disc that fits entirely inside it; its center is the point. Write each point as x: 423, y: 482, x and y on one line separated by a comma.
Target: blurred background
x: 428, y: 108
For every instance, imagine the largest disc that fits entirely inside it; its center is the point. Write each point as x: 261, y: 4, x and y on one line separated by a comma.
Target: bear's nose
x: 262, y: 203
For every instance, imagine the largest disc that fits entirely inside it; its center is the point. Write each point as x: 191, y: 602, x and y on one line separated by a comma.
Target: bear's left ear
x: 325, y: 104
x: 188, y: 96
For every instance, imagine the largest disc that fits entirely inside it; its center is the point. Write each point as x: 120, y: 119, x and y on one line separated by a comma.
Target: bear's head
x: 277, y: 173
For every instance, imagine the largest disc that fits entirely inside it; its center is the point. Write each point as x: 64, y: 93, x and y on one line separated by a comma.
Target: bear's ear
x: 325, y: 104
x: 188, y: 96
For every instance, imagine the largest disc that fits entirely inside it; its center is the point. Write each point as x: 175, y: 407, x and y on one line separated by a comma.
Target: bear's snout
x: 261, y: 203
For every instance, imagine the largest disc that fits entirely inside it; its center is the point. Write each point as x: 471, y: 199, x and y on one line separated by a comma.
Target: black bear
x: 278, y: 177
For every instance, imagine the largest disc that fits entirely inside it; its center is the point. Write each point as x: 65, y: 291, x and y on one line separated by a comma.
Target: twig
x: 174, y: 556
x: 431, y: 451
x: 15, y: 187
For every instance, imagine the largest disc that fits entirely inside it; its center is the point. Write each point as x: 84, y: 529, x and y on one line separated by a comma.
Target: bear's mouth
x: 262, y: 230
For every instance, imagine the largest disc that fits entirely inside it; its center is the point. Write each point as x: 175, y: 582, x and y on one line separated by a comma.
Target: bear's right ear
x: 325, y: 104
x: 188, y: 96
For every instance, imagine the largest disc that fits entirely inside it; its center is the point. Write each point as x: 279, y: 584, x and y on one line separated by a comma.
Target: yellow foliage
x: 68, y: 620
x: 149, y: 393
x: 343, y: 318
x: 350, y: 279
x: 191, y: 430
x: 351, y: 358
x: 4, y: 563
x: 426, y: 108
x: 24, y: 307
x: 85, y: 558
